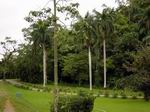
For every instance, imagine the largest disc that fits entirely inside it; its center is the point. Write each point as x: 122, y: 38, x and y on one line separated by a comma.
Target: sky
x: 12, y: 13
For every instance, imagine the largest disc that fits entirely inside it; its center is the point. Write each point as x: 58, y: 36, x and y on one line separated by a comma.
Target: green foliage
x: 123, y: 95
x: 75, y: 67
x: 7, y: 64
x: 134, y: 97
x: 145, y: 88
x: 83, y: 103
x: 114, y: 95
x: 70, y: 10
x: 126, y: 30
x: 29, y: 69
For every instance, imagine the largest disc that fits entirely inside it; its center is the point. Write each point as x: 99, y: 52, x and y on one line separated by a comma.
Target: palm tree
x: 104, y: 28
x: 88, y: 34
x: 40, y: 36
x: 39, y: 33
x: 84, y: 29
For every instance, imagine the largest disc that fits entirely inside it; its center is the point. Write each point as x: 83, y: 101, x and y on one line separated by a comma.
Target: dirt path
x: 8, y: 106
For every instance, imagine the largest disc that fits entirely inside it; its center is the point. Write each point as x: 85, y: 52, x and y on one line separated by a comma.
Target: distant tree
x: 75, y: 68
x: 9, y: 48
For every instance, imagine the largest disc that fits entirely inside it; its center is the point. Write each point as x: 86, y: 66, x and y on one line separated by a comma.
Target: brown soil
x: 8, y: 106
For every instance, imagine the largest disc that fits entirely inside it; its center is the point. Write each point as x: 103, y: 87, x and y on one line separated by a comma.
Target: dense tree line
x: 112, y: 45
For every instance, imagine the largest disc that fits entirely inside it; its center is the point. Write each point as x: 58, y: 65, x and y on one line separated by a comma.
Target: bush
x: 134, y: 97
x: 123, y: 95
x: 106, y: 93
x: 145, y: 88
x: 140, y: 94
x: 115, y: 95
x: 77, y: 103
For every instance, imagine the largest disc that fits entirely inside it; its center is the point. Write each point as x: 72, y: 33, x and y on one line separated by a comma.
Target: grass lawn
x: 121, y: 105
x: 32, y: 101
x: 27, y: 101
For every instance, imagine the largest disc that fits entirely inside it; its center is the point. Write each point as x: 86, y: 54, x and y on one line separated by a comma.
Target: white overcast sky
x: 12, y: 13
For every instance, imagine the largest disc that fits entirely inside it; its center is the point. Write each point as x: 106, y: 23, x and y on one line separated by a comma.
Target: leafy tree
x: 29, y: 64
x: 75, y: 68
x: 9, y: 49
x: 141, y: 77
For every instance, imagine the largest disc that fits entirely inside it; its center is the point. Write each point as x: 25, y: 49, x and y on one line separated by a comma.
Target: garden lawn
x: 32, y: 101
x: 121, y: 105
x: 26, y: 100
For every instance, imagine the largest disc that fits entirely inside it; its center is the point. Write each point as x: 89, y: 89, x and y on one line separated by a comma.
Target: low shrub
x: 123, y: 95
x: 145, y: 88
x: 115, y: 95
x: 134, y: 97
x: 106, y: 94
x: 140, y: 94
x: 76, y: 103
x: 46, y: 89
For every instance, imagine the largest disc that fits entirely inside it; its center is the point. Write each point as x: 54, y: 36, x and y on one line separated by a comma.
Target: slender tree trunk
x: 55, y: 47
x: 44, y: 66
x: 55, y: 61
x: 104, y: 53
x: 90, y: 68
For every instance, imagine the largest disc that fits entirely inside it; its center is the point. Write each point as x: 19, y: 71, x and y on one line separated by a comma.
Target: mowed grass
x: 26, y: 100
x: 32, y: 101
x: 121, y: 105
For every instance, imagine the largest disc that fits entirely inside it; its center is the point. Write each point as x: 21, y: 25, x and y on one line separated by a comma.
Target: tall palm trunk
x: 44, y: 66
x: 56, y: 92
x: 104, y: 54
x: 90, y: 68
